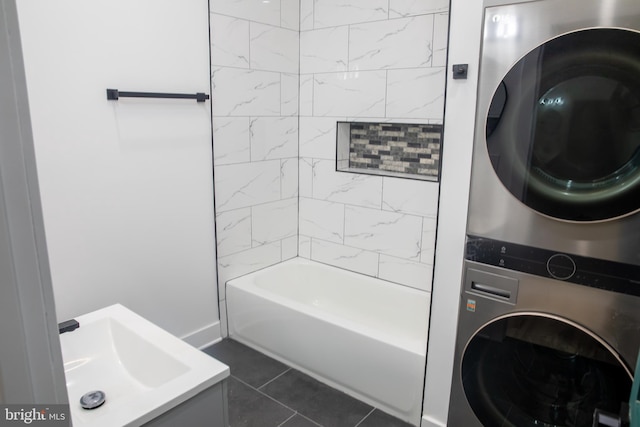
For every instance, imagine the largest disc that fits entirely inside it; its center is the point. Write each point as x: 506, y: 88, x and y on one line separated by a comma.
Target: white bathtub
x: 364, y: 336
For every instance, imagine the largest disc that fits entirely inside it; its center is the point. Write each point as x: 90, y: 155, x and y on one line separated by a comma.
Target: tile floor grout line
x: 274, y: 399
x: 285, y: 421
x: 301, y: 415
x: 275, y: 378
x: 365, y: 417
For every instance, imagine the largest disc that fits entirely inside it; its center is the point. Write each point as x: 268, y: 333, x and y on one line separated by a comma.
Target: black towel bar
x: 115, y: 94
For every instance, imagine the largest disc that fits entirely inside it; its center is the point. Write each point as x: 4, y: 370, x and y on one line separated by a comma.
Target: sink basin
x: 143, y: 370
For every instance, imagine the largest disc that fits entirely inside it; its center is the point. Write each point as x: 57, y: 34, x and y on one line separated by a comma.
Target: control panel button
x: 561, y: 266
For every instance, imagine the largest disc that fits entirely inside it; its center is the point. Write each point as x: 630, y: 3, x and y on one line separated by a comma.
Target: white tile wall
x: 233, y: 231
x: 255, y: 96
x: 231, y: 142
x: 384, y: 232
x: 400, y: 8
x: 368, y: 60
x: 338, y: 255
x: 330, y: 13
x: 403, y: 271
x: 250, y: 10
x: 353, y: 93
x: 324, y: 51
x: 273, y: 138
x: 283, y: 73
x: 417, y: 92
x: 351, y: 188
x: 239, y: 92
x: 229, y: 41
x: 274, y: 221
x: 321, y: 219
x: 397, y: 43
x: 246, y: 184
x: 318, y: 137
x: 273, y: 48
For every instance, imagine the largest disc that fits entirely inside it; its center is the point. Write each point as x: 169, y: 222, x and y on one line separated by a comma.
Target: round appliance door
x: 534, y: 370
x: 563, y: 127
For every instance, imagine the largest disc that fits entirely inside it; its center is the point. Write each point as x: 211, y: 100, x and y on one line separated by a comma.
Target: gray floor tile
x: 380, y: 419
x: 250, y: 366
x: 316, y: 401
x: 250, y: 408
x: 299, y: 421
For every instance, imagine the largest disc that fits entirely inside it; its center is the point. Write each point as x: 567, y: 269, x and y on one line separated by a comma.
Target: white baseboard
x: 204, y: 337
x: 427, y: 421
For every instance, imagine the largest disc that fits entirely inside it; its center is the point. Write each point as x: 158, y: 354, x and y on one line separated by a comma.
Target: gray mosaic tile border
x: 407, y: 149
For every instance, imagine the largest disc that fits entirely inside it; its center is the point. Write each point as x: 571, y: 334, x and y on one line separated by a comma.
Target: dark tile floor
x: 266, y: 393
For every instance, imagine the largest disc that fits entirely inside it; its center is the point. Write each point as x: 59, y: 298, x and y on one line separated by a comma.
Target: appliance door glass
x: 563, y: 127
x: 529, y: 370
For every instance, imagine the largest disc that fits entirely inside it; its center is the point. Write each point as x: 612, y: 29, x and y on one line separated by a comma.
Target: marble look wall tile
x: 398, y: 43
x: 274, y: 48
x: 253, y: 10
x: 274, y: 221
x: 247, y: 184
x: 289, y: 247
x: 321, y: 219
x: 239, y: 92
x: 231, y: 140
x: 305, y: 173
x: 289, y: 87
x: 273, y: 138
x: 306, y: 15
x: 384, y: 232
x: 343, y: 187
x: 289, y: 178
x: 388, y: 120
x: 406, y: 272
x: 304, y: 246
x: 233, y: 229
x: 440, y: 39
x: 355, y: 93
x: 224, y: 325
x: 416, y: 93
x: 428, y: 240
x: 353, y: 259
x: 236, y: 265
x: 323, y: 51
x: 306, y: 95
x: 331, y: 13
x: 318, y: 137
x: 401, y: 8
x: 410, y: 196
x: 290, y: 14
x: 229, y: 41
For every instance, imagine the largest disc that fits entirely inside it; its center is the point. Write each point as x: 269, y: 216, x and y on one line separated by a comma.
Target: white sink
x: 143, y: 370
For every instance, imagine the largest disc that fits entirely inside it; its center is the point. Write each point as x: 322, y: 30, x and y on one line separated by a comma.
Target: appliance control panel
x: 596, y: 273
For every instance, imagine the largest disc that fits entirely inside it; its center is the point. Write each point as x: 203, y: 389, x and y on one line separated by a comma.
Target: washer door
x: 535, y: 370
x: 563, y: 127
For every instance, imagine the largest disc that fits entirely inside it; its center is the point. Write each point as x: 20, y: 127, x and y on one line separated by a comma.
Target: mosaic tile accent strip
x: 396, y: 147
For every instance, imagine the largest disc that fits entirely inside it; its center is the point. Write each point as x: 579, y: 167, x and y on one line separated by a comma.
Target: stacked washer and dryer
x: 549, y: 323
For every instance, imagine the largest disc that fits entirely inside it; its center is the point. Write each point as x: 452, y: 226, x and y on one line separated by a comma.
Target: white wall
x: 380, y: 61
x: 254, y: 56
x: 126, y: 186
x: 30, y: 358
x: 464, y: 48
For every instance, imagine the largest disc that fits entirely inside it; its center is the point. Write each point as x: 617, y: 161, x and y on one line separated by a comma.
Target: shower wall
x: 255, y: 69
x: 373, y: 61
x: 283, y: 73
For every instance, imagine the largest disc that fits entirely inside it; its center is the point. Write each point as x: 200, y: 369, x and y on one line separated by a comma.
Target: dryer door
x: 563, y: 127
x: 538, y: 370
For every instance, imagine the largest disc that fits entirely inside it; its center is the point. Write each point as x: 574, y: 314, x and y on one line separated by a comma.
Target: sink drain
x: 93, y: 399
